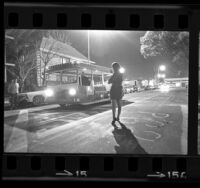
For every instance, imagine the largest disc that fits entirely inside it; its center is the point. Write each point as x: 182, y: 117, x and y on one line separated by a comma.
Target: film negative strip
x: 157, y: 137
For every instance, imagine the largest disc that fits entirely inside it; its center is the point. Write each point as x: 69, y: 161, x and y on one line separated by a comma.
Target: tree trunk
x: 22, y: 87
x: 44, y: 77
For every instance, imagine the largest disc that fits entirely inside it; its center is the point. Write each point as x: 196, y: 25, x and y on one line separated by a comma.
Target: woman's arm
x: 110, y: 81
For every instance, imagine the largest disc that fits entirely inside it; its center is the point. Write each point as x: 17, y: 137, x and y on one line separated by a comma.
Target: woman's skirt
x: 116, y: 92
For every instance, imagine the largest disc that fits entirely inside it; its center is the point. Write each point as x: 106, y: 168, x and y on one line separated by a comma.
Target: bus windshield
x: 69, y: 78
x: 53, y: 78
x: 63, y: 77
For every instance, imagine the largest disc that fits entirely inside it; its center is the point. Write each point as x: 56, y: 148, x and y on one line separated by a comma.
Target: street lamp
x: 159, y: 75
x: 97, y: 34
x: 162, y: 68
x: 163, y: 76
x: 122, y: 70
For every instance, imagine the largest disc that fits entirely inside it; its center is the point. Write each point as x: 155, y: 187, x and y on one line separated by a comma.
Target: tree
x: 46, y: 55
x: 59, y: 35
x: 174, y: 45
x: 25, y: 48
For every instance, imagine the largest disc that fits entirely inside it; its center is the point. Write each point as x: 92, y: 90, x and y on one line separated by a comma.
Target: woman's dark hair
x: 115, y: 66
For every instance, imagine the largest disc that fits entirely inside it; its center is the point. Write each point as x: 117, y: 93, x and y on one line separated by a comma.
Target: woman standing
x: 116, y: 91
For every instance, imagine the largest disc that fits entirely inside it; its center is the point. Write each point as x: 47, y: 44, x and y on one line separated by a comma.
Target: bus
x: 81, y: 83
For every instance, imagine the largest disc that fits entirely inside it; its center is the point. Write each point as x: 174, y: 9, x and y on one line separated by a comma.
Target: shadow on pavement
x: 127, y: 141
x: 103, y: 106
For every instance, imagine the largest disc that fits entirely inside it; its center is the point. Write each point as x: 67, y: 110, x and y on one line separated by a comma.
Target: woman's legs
x: 113, y: 108
x: 119, y: 108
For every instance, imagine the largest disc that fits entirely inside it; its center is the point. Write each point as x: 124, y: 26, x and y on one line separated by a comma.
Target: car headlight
x: 49, y: 92
x: 164, y: 88
x: 72, y: 92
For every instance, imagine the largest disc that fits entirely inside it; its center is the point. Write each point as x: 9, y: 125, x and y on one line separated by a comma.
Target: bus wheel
x: 36, y: 101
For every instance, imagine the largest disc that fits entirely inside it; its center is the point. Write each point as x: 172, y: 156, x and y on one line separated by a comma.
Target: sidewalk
x: 33, y: 109
x: 143, y: 130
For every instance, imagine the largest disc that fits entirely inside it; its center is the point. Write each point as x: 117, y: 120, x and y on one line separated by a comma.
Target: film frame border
x: 171, y: 18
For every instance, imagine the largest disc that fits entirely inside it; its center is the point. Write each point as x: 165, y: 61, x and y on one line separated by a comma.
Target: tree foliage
x: 164, y: 43
x: 174, y: 45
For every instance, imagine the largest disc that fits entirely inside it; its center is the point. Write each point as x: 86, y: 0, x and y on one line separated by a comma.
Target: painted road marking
x: 158, y: 135
x: 160, y: 124
x: 60, y: 117
x: 156, y: 115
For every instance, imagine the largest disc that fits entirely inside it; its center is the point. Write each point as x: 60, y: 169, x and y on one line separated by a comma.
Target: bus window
x: 97, y: 79
x: 69, y: 78
x: 53, y: 78
x: 85, y: 80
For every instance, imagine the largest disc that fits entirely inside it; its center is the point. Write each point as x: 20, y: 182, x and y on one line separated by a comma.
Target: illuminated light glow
x: 162, y: 75
x: 72, y: 92
x: 84, y: 69
x: 162, y: 67
x: 159, y: 76
x: 101, y: 33
x: 101, y: 96
x: 122, y: 70
x: 164, y: 88
x: 49, y: 92
x: 178, y: 84
x: 89, y: 89
x: 151, y: 83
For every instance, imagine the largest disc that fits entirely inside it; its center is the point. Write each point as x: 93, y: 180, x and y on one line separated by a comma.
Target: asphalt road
x: 152, y: 122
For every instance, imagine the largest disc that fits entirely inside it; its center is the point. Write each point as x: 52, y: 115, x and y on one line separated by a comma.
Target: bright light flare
x: 49, y: 92
x: 178, y: 84
x: 164, y: 88
x: 162, y: 67
x: 151, y: 83
x: 122, y: 70
x: 102, y: 33
x: 72, y: 92
x: 159, y: 75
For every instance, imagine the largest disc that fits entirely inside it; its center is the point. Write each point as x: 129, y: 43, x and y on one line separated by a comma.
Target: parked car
x: 147, y: 88
x: 36, y: 97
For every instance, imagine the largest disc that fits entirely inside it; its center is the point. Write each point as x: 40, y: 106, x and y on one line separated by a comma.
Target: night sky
x: 118, y: 46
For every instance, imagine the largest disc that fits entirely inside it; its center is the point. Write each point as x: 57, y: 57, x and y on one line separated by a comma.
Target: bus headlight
x: 72, y: 92
x: 49, y: 92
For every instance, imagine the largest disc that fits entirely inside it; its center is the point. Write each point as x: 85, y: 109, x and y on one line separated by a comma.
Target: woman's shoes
x: 113, y: 121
